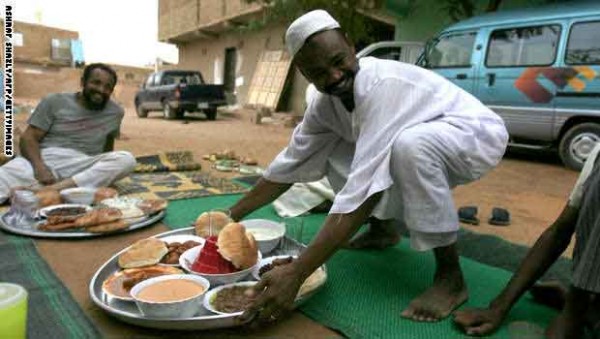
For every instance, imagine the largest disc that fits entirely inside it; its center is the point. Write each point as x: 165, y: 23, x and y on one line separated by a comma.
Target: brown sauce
x: 232, y: 299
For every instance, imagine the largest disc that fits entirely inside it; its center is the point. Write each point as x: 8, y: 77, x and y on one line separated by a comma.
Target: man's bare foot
x: 380, y: 235
x: 552, y: 294
x: 438, y: 301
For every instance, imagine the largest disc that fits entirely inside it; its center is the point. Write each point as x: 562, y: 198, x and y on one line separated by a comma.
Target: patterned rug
x: 176, y: 185
x: 167, y: 161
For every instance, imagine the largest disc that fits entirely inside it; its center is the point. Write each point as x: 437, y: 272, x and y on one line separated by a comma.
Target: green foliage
x: 346, y: 12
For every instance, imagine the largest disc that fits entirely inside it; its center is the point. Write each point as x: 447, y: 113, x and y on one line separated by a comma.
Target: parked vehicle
x: 537, y: 68
x: 405, y: 51
x: 175, y: 92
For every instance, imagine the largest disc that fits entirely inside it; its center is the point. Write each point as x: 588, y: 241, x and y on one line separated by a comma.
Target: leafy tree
x: 346, y: 12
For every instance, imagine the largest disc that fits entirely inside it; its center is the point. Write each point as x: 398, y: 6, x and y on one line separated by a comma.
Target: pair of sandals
x: 499, y: 217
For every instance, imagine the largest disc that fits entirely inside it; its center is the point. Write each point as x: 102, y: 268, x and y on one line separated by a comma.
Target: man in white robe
x: 393, y: 140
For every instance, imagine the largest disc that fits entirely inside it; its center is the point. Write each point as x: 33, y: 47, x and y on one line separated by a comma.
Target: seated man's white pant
x: 427, y: 161
x: 302, y: 197
x: 86, y: 171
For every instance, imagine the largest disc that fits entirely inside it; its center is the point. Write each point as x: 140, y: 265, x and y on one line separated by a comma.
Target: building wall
x: 429, y: 18
x: 37, y: 41
x: 208, y: 56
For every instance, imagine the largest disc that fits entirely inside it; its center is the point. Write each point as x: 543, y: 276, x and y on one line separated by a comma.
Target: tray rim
x: 149, y: 220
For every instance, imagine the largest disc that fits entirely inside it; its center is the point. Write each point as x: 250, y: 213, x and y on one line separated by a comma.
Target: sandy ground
x: 533, y: 187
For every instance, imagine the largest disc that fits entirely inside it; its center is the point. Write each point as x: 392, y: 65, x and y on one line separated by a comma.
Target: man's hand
x: 44, y: 175
x: 276, y: 292
x: 477, y: 321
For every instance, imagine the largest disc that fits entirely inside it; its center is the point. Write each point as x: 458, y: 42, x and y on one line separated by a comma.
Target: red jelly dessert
x: 210, y: 261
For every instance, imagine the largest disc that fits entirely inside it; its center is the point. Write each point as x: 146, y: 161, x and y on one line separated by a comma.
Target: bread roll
x: 48, y: 198
x: 144, y: 252
x: 104, y: 193
x: 218, y: 219
x: 237, y: 246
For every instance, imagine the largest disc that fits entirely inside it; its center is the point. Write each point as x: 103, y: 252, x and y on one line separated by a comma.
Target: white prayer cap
x: 307, y: 25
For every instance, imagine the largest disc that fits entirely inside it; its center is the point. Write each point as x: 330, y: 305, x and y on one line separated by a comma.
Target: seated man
x: 582, y: 217
x: 69, y: 139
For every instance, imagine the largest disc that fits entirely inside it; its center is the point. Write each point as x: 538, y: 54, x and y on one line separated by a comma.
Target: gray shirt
x: 70, y: 125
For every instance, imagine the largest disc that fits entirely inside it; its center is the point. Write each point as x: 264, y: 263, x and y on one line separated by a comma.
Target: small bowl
x: 212, y: 294
x: 188, y: 257
x: 266, y: 261
x: 184, y: 308
x: 79, y: 195
x: 267, y: 233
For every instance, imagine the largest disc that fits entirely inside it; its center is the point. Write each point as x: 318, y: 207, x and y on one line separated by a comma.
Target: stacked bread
x: 233, y: 249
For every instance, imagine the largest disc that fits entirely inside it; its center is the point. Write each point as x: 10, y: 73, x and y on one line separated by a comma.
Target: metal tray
x: 128, y: 312
x: 32, y: 230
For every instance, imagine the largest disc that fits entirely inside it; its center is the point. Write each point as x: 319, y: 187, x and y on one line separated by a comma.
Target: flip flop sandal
x: 500, y: 217
x: 468, y: 215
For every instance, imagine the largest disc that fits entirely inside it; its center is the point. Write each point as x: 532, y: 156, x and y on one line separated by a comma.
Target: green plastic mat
x: 367, y: 290
x: 52, y: 311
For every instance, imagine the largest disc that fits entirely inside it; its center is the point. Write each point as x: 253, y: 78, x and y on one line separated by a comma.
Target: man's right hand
x: 477, y: 321
x: 44, y: 175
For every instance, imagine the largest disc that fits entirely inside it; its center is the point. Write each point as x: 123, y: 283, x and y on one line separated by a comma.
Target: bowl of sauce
x: 267, y: 233
x: 173, y: 296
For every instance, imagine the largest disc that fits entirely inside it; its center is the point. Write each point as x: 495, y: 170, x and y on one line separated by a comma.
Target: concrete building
x: 213, y: 36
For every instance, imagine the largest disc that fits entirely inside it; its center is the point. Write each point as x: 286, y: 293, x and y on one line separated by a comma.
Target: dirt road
x: 531, y: 186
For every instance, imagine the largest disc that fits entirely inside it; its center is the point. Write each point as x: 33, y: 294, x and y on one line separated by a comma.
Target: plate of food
x: 120, y: 305
x: 66, y: 221
x: 64, y: 210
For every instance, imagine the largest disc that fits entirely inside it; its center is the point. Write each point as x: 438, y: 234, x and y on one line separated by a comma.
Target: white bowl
x: 79, y: 195
x: 212, y: 294
x: 188, y: 257
x: 267, y: 233
x: 266, y: 261
x: 184, y: 308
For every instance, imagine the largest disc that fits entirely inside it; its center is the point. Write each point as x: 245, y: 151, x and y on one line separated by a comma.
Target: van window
x: 584, y: 44
x: 452, y: 50
x: 524, y: 46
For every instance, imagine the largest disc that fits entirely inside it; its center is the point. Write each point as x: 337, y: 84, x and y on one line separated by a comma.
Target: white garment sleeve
x: 577, y: 192
x: 305, y: 157
x: 389, y: 108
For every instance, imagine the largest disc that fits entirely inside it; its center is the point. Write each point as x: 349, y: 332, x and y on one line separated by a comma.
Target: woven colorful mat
x: 176, y: 185
x: 167, y: 161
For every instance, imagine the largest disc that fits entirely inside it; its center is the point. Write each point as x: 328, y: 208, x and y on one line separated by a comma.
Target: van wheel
x: 168, y: 111
x: 211, y: 113
x: 577, y: 144
x: 142, y: 113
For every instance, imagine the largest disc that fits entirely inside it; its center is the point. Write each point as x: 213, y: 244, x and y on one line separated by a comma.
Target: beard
x: 94, y: 100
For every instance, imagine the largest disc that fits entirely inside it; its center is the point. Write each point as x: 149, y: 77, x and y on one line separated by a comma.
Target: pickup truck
x: 175, y: 92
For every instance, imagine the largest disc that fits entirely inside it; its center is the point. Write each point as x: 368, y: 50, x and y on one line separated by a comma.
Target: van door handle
x: 491, y: 79
x: 461, y: 76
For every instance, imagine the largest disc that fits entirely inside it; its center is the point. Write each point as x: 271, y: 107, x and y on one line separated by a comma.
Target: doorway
x: 229, y: 71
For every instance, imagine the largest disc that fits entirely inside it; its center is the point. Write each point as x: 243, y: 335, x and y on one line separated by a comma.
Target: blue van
x: 538, y: 68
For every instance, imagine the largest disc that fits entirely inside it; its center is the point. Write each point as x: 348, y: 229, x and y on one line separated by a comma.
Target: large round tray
x: 128, y: 312
x: 32, y: 230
